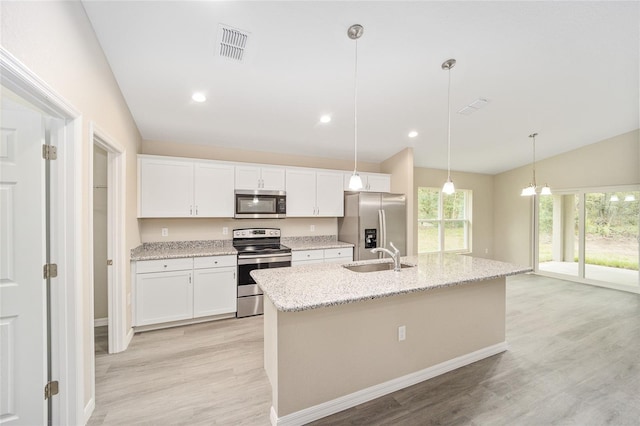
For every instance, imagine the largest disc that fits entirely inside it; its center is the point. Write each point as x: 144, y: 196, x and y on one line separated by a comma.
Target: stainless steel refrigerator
x: 373, y: 219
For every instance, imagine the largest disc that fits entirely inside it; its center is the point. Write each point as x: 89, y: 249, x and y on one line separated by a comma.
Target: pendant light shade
x: 448, y: 187
x: 532, y: 189
x: 355, y: 183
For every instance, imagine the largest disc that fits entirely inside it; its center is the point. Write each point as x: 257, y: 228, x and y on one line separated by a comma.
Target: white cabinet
x: 184, y: 188
x: 214, y: 285
x: 371, y: 182
x: 164, y: 291
x: 165, y: 188
x: 183, y: 289
x: 256, y: 177
x: 306, y: 257
x: 338, y: 255
x: 314, y: 193
x: 334, y: 255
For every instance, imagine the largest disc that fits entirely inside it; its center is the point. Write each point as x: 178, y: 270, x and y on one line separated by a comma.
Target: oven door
x: 246, y: 285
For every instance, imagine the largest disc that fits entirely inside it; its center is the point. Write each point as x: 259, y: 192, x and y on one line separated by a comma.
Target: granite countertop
x: 177, y: 249
x: 319, y: 285
x: 318, y: 242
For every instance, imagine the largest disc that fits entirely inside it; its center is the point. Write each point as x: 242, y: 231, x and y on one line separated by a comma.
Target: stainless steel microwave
x: 260, y: 204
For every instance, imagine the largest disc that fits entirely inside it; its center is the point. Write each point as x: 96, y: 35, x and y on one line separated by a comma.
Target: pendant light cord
x: 355, y: 111
x: 449, y: 127
x: 533, y: 135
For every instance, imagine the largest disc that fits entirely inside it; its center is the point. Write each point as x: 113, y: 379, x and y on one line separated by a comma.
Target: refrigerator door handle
x: 384, y: 229
x: 381, y: 236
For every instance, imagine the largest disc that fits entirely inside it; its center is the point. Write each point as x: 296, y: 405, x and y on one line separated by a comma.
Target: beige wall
x: 614, y: 161
x: 400, y: 166
x: 482, y: 208
x: 100, y: 291
x: 345, y: 348
x: 204, y: 229
x: 56, y: 41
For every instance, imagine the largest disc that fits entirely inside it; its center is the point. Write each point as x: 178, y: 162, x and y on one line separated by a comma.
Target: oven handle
x: 262, y: 258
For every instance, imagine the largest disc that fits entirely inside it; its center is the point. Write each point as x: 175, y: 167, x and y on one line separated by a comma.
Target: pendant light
x: 355, y: 183
x: 448, y: 187
x: 532, y: 188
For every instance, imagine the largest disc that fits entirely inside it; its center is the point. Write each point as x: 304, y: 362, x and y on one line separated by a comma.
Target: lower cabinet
x: 214, y: 288
x: 335, y: 255
x: 163, y: 297
x: 182, y: 289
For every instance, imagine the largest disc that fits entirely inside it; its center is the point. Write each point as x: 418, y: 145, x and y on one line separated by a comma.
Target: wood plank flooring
x: 574, y: 359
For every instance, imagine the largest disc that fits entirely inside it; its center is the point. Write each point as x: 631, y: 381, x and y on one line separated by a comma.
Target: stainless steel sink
x: 375, y: 267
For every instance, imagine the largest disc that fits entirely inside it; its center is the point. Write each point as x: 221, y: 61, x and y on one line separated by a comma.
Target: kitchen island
x: 334, y: 338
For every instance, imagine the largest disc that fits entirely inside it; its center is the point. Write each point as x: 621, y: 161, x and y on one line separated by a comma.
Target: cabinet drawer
x: 160, y: 265
x: 214, y: 261
x: 307, y: 255
x: 338, y: 252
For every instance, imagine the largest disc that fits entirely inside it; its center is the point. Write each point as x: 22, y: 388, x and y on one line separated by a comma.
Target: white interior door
x: 23, y: 345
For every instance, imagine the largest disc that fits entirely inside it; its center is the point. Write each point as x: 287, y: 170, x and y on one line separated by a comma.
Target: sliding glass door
x: 591, y: 235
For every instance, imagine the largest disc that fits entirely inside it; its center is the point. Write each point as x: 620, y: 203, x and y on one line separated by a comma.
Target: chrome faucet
x: 395, y: 255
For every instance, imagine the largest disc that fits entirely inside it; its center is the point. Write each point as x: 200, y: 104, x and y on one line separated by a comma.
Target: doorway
x: 100, y: 251
x: 591, y: 235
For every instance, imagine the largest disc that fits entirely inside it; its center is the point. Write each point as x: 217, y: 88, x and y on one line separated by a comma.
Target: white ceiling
x: 567, y: 70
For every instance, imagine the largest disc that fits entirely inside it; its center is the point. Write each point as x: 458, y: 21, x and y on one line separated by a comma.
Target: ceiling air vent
x: 232, y: 43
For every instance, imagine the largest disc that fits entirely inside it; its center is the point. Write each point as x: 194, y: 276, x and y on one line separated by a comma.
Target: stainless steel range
x: 258, y: 248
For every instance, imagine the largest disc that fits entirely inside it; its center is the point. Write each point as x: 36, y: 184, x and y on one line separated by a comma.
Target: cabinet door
x: 301, y: 193
x: 214, y: 291
x: 163, y: 297
x: 247, y: 177
x: 329, y: 194
x: 214, y: 186
x: 378, y: 183
x: 273, y: 178
x: 165, y: 188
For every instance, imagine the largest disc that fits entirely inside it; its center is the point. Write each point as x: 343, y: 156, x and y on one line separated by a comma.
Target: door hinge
x: 49, y: 152
x: 50, y: 270
x: 109, y: 262
x: 50, y: 389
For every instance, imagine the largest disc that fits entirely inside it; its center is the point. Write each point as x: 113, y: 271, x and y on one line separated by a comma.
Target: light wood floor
x: 574, y: 359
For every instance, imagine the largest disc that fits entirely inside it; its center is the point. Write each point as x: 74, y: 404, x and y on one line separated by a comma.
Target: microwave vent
x: 232, y: 43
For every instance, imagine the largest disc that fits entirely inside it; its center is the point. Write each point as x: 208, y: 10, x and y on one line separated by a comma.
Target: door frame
x: 66, y: 234
x: 119, y: 336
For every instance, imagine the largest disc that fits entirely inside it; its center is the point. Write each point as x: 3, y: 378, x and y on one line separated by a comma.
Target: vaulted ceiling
x: 567, y: 70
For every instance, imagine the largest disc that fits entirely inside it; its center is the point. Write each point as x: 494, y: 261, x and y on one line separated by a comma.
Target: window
x: 444, y: 221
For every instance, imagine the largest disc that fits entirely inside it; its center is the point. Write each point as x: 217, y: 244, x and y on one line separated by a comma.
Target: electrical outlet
x: 402, y: 333
x: 312, y: 228
x: 225, y: 230
x: 486, y: 251
x: 165, y: 232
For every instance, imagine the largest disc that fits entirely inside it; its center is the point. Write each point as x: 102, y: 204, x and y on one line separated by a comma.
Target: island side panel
x: 326, y: 353
x: 271, y: 348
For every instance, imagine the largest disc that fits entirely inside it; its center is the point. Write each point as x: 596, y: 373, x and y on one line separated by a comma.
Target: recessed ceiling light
x: 413, y: 134
x: 199, y: 97
x: 325, y: 119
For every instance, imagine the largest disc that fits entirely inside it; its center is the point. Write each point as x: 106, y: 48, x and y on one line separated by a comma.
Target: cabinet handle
x: 190, y: 210
x: 189, y: 278
x: 165, y: 266
x: 196, y: 210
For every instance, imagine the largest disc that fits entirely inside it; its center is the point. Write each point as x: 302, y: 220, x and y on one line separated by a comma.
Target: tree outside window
x: 443, y: 220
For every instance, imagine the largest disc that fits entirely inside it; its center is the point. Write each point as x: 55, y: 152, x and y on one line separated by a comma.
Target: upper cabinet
x: 256, y: 177
x: 371, y: 182
x: 314, y: 193
x: 184, y: 188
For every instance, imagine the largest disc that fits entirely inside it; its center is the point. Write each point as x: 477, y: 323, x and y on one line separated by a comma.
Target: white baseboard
x: 88, y: 410
x: 100, y: 322
x: 325, y: 409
